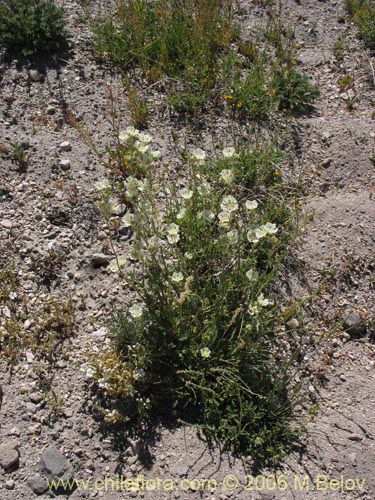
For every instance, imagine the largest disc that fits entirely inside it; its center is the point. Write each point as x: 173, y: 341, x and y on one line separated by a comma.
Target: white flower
x: 255, y: 234
x: 173, y: 238
x: 270, y: 228
x: 227, y: 176
x: 188, y: 255
x: 136, y: 311
x: 251, y: 204
x: 198, y: 155
x: 13, y: 295
x: 263, y: 302
x: 232, y: 236
x: 145, y: 138
x: 229, y: 204
x: 177, y: 277
x: 181, y: 214
x: 103, y: 185
x: 252, y: 275
x: 229, y: 152
x: 186, y: 193
x: 142, y: 147
x: 205, y: 352
x: 128, y: 133
x: 155, y: 155
x: 153, y: 243
x: 102, y: 383
x: 224, y: 219
x: 204, y: 188
x: 117, y: 264
x: 128, y: 219
x: 89, y: 371
x: 173, y: 235
x: 207, y: 215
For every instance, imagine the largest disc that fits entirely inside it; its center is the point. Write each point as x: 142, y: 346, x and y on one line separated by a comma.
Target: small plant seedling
x: 19, y: 157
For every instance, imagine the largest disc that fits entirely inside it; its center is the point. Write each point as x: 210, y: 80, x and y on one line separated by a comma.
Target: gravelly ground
x: 42, y: 209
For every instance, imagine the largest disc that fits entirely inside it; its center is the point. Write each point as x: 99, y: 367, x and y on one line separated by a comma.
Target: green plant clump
x: 31, y: 27
x: 198, y: 342
x: 363, y: 14
x: 179, y: 39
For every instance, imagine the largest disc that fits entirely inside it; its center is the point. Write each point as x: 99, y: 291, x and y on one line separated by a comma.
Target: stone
x: 355, y: 325
x: 99, y: 260
x: 34, y: 75
x: 9, y: 454
x: 37, y: 484
x: 65, y: 164
x: 65, y: 146
x: 51, y: 110
x: 9, y: 485
x: 54, y: 465
x: 7, y: 223
x: 35, y: 397
x: 183, y: 472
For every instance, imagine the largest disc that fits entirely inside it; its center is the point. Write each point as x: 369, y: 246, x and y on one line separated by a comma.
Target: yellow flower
x: 239, y: 105
x: 228, y: 97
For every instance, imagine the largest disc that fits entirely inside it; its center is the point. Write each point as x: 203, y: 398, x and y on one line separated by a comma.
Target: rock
x: 8, y: 224
x: 9, y: 454
x: 326, y: 162
x: 183, y: 472
x: 9, y: 485
x: 132, y: 460
x: 55, y: 465
x: 51, y: 110
x: 24, y: 144
x: 354, y: 325
x: 34, y: 75
x: 37, y: 484
x: 353, y: 459
x: 65, y: 164
x: 99, y: 260
x: 65, y: 146
x: 355, y: 437
x: 35, y: 397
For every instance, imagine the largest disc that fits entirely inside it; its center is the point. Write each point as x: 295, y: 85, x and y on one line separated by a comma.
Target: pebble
x: 354, y: 325
x: 99, y: 260
x: 7, y: 223
x: 37, y: 484
x: 355, y: 437
x: 65, y: 146
x: 51, y: 110
x: 34, y: 75
x: 35, y: 397
x: 9, y: 485
x: 9, y: 454
x: 65, y: 164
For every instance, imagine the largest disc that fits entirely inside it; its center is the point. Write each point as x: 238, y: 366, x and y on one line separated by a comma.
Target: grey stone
x: 34, y: 75
x: 35, y: 397
x: 51, y: 110
x: 354, y: 325
x: 65, y: 146
x: 37, y: 484
x: 7, y: 223
x: 55, y: 465
x: 9, y: 454
x: 183, y: 472
x: 9, y: 485
x: 65, y: 164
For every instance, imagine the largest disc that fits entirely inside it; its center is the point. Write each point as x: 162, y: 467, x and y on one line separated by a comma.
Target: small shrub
x: 198, y: 342
x: 363, y: 14
x: 30, y: 27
